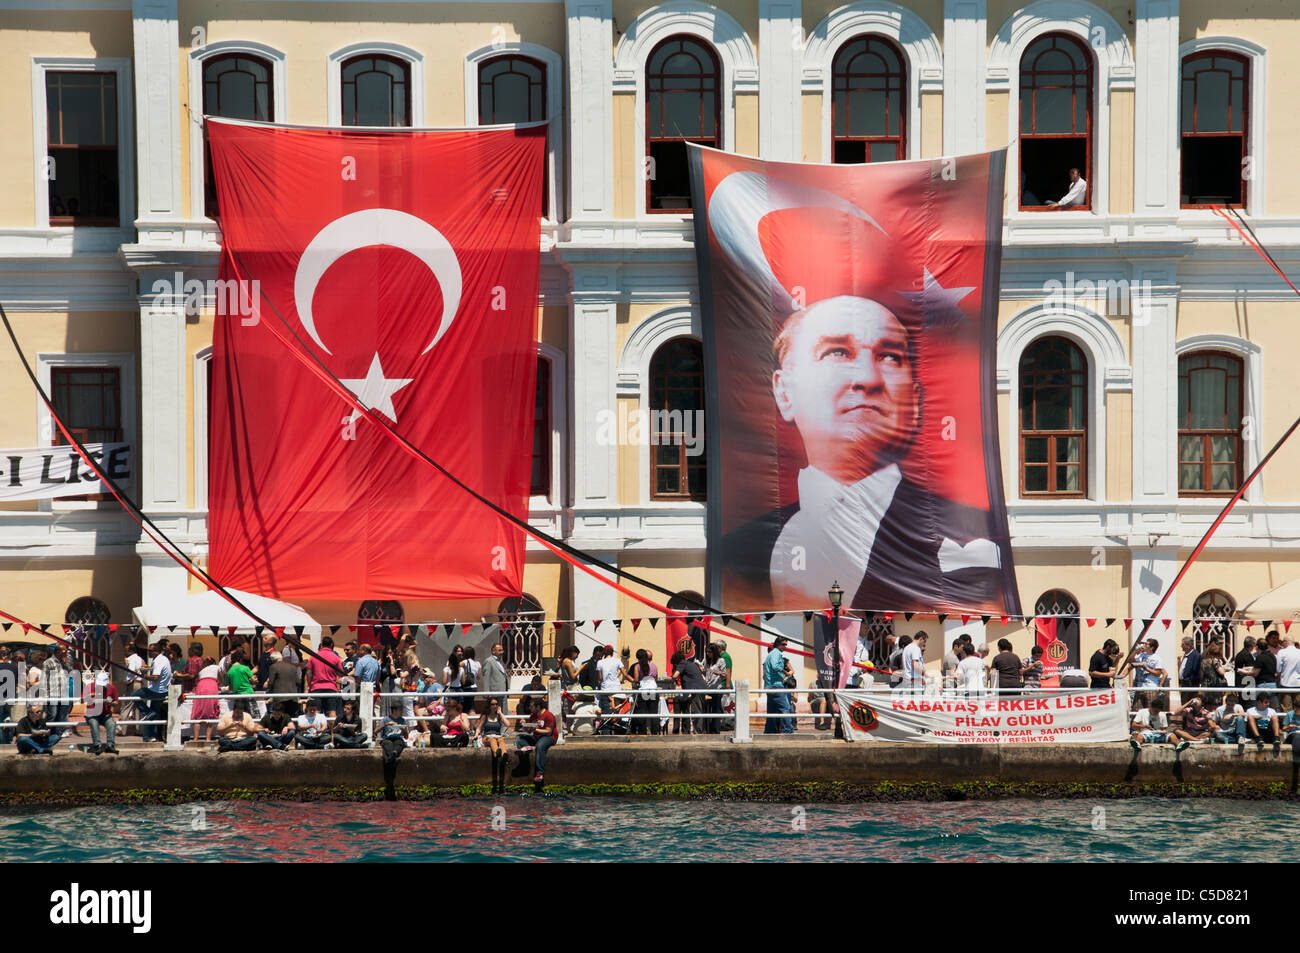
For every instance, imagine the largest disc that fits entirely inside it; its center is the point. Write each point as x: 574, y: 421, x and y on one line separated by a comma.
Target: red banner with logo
x: 849, y: 319
x: 407, y: 264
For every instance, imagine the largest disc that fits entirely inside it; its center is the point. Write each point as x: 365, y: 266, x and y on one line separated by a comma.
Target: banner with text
x: 1072, y: 717
x: 48, y: 473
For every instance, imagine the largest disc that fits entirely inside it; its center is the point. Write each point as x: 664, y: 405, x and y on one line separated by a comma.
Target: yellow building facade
x: 1163, y: 318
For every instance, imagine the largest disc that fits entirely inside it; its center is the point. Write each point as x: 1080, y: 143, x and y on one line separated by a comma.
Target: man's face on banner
x: 846, y: 382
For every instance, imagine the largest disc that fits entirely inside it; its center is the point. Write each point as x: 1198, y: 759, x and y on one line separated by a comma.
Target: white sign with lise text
x: 1052, y: 717
x: 47, y: 473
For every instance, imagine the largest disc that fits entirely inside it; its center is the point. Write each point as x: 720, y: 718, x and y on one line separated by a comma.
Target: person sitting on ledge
x: 236, y: 731
x: 276, y: 729
x: 391, y: 733
x: 32, y: 735
x: 539, y: 733
x: 1196, y: 723
x: 1261, y: 723
x: 454, y: 730
x: 1227, y: 720
x: 1150, y: 724
x: 347, y: 728
x: 313, y: 728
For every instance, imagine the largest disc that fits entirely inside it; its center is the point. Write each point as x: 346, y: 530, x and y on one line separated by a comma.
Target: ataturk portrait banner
x: 849, y: 316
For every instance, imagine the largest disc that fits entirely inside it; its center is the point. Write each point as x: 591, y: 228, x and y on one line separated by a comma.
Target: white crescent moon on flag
x: 377, y: 226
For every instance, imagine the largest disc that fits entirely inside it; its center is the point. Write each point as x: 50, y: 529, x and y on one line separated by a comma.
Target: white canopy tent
x: 206, y: 609
x: 1278, y: 604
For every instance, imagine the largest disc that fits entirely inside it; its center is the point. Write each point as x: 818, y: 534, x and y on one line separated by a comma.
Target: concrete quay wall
x: 669, y: 764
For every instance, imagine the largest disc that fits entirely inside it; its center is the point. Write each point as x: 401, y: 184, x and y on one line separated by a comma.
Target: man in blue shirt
x: 367, y: 669
x: 774, y: 671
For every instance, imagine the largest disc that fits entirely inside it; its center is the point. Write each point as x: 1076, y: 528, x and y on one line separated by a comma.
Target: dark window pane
x: 1035, y: 449
x: 1035, y: 479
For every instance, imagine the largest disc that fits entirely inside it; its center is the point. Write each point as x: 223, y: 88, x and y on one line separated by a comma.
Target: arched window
x: 512, y: 89
x: 388, y: 615
x: 376, y: 91
x: 235, y: 86
x: 1212, y: 614
x: 1215, y: 91
x: 522, y: 620
x: 1056, y: 77
x: 1062, y: 606
x: 869, y: 102
x: 682, y: 102
x: 540, y: 482
x: 677, y: 468
x: 93, y: 615
x: 878, y: 630
x: 1209, y: 424
x: 1053, y: 419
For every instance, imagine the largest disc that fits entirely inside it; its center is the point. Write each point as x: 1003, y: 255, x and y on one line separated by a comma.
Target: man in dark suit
x: 846, y: 380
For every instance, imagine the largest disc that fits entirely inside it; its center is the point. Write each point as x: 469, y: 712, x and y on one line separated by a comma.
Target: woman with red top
x: 454, y: 731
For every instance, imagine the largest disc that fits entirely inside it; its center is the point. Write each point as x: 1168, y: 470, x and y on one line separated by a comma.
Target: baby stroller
x: 617, y: 721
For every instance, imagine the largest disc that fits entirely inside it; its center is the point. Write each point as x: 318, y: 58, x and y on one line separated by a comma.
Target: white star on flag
x: 933, y: 297
x: 375, y: 391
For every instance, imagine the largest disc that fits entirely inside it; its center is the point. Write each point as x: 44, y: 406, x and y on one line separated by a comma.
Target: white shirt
x: 1288, y: 667
x: 1077, y: 194
x: 831, y: 535
x: 914, y: 664
x: 609, y: 667
x: 1143, y: 720
x: 311, y: 726
x: 971, y: 671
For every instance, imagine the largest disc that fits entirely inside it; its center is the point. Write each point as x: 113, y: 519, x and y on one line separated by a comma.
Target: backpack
x: 589, y: 675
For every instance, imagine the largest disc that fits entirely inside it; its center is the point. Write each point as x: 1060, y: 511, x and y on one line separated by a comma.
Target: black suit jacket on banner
x: 904, y: 570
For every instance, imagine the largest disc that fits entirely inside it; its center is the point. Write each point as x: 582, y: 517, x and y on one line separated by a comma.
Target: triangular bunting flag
x: 1249, y: 623
x: 279, y: 631
x: 654, y: 620
x: 635, y: 624
x: 578, y: 623
x: 829, y: 613
x: 965, y: 619
x: 112, y: 630
x: 1005, y: 620
x: 1110, y: 622
x: 908, y: 616
x: 298, y: 630
x: 1091, y: 622
x: 1205, y: 625
x: 1127, y: 624
x: 170, y: 628
x: 595, y: 624
x: 1182, y: 624
x: 706, y: 621
x: 941, y: 616
x: 1266, y: 623
x: 1286, y: 626
x: 215, y: 630
x: 889, y: 616
x: 618, y: 625
x: 447, y: 629
x: 8, y: 626
x: 1166, y: 622
x: 726, y: 619
x: 985, y: 619
x: 749, y: 618
x: 767, y: 616
x: 465, y: 627
x: 154, y: 628
x: 807, y: 616
x: 334, y: 629
x: 257, y: 629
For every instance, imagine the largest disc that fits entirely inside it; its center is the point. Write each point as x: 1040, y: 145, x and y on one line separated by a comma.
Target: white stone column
x: 590, y: 59
x: 965, y: 42
x: 1156, y: 125
x: 1154, y: 303
x: 780, y: 63
x: 157, y: 108
x: 593, y: 353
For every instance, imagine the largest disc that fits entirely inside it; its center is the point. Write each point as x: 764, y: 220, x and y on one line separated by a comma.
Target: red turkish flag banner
x: 406, y: 263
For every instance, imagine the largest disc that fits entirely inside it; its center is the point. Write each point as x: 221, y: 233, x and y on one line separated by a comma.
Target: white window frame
x: 554, y: 64
x: 1257, y: 100
x: 559, y: 414
x: 1252, y: 365
x: 414, y: 59
x: 737, y: 58
x: 1113, y: 69
x: 633, y: 380
x: 125, y: 364
x: 119, y: 66
x: 1108, y: 371
x: 280, y: 104
x: 922, y: 55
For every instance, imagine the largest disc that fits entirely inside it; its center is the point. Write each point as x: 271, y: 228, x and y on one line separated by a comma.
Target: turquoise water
x: 557, y: 827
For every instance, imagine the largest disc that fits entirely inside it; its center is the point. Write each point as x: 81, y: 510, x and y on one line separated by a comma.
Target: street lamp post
x: 836, y: 595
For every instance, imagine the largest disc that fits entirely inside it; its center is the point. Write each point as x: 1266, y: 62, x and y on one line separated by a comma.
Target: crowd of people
x: 467, y: 703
